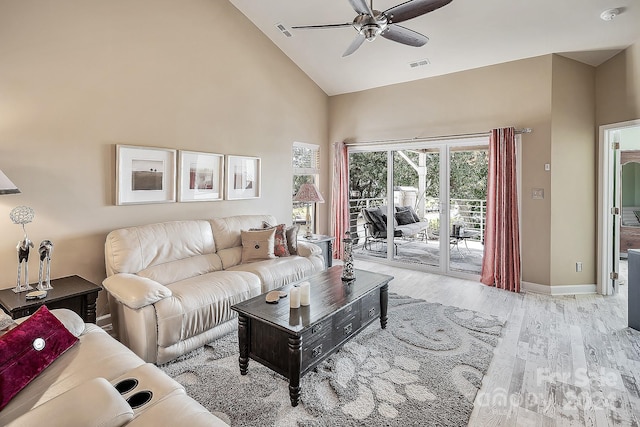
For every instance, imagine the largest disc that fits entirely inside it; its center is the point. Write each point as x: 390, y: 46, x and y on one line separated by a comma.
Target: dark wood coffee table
x: 293, y: 341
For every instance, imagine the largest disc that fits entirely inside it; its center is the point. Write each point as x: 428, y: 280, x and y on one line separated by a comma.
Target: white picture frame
x: 201, y: 176
x: 243, y: 177
x: 145, y: 175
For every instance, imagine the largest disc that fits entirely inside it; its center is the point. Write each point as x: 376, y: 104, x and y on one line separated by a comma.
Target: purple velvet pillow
x: 28, y: 349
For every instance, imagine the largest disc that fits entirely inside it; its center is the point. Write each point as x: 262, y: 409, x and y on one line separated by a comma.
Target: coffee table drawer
x: 346, y: 327
x: 317, y: 331
x: 314, y: 351
x: 370, y: 306
x: 340, y: 316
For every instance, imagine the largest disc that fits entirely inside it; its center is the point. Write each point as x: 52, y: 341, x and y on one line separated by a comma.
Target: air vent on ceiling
x: 419, y: 63
x: 283, y: 30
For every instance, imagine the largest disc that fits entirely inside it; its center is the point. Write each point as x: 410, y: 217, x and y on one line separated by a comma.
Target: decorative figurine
x: 348, y: 274
x: 23, y: 215
x: 45, y: 249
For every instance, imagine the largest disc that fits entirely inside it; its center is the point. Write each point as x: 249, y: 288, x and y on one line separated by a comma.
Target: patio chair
x: 375, y: 226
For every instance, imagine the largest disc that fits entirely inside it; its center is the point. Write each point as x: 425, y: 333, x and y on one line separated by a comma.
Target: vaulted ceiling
x: 463, y: 35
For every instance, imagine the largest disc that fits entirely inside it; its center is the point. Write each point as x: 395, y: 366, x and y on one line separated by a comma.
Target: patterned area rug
x: 425, y: 368
x: 5, y: 321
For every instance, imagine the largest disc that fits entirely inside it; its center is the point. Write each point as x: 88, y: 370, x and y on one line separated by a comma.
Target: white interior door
x: 609, y: 205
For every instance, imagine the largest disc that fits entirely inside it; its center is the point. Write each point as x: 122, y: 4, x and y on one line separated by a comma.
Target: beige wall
x: 512, y: 94
x: 618, y: 87
x: 573, y: 173
x: 77, y: 77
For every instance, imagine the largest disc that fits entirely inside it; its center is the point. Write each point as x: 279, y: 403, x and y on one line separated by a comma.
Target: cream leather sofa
x: 79, y: 388
x: 171, y: 285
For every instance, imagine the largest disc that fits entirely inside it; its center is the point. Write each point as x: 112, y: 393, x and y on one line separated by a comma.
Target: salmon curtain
x: 340, y: 197
x: 501, y: 261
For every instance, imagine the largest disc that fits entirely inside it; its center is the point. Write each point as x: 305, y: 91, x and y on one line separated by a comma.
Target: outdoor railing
x: 471, y: 213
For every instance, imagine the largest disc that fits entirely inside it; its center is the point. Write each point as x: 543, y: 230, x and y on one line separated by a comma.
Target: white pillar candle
x: 294, y: 297
x: 305, y: 293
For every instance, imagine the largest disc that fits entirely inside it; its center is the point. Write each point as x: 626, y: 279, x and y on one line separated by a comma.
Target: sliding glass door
x: 468, y: 167
x: 421, y: 204
x: 416, y: 200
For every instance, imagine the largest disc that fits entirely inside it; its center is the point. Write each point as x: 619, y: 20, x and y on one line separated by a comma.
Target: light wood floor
x: 561, y: 361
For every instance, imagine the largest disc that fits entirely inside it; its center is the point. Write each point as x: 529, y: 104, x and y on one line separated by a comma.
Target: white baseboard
x: 558, y: 290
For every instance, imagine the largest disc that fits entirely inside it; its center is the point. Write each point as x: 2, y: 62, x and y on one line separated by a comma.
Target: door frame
x: 608, y: 241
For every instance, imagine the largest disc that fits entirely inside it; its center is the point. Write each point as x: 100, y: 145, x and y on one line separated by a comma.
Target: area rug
x: 424, y: 369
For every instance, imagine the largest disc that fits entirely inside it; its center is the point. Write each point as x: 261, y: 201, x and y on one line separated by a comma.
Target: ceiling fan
x: 371, y: 23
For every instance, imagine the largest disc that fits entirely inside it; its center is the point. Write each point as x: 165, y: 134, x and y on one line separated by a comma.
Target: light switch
x: 537, y: 193
x: 547, y: 167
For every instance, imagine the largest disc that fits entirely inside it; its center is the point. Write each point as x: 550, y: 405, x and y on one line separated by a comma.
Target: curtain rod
x: 430, y: 138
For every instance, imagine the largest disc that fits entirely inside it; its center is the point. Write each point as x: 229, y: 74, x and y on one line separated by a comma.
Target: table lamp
x: 308, y: 193
x: 6, y: 186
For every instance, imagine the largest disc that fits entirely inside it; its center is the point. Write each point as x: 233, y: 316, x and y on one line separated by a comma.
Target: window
x: 306, y: 169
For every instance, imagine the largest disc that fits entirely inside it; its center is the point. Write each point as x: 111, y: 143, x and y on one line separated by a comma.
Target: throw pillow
x: 404, y: 217
x: 379, y: 220
x: 416, y: 218
x: 257, y: 245
x: 292, y: 239
x: 280, y: 247
x: 291, y: 234
x: 28, y: 349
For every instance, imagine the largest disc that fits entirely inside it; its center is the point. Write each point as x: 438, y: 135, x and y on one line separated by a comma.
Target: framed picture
x: 201, y: 176
x: 145, y: 175
x: 243, y: 177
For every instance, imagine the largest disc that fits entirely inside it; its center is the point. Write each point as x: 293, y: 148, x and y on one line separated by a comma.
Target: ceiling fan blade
x: 315, y: 27
x: 361, y: 6
x: 413, y: 8
x: 355, y: 44
x: 404, y: 35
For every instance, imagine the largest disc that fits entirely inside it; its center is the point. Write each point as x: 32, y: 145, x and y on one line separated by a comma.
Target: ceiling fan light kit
x: 371, y: 23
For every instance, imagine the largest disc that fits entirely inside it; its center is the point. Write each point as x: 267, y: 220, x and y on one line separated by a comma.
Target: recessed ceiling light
x: 609, y: 14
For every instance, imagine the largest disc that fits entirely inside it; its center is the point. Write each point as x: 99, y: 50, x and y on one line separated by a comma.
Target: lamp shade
x: 308, y: 193
x: 6, y: 186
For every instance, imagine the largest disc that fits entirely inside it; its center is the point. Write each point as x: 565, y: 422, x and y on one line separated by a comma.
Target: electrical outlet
x: 537, y: 193
x: 578, y: 266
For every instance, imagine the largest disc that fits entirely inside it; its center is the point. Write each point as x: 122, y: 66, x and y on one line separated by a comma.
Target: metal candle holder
x: 348, y: 274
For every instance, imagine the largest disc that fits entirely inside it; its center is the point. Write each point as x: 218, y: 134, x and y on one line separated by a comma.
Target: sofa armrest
x: 307, y: 249
x: 92, y: 403
x: 134, y: 291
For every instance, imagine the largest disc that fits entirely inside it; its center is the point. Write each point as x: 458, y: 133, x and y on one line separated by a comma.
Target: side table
x: 325, y: 243
x: 72, y: 292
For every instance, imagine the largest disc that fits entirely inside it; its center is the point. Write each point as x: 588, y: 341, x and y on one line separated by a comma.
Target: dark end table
x: 325, y: 243
x: 72, y: 292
